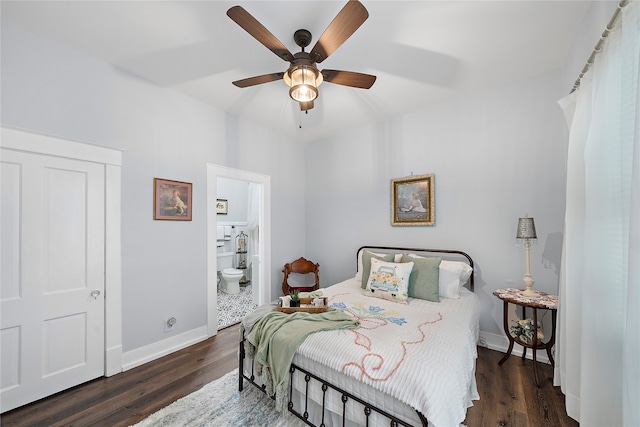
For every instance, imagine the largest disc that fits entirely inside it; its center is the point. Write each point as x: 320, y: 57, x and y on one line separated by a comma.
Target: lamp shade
x: 526, y: 229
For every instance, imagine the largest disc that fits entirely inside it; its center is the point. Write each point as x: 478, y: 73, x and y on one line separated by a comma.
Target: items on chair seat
x: 300, y: 266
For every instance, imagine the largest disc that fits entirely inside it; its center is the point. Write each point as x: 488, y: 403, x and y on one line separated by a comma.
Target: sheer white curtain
x: 598, y: 351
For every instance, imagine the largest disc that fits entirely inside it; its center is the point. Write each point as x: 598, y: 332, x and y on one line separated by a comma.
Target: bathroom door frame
x: 264, y: 243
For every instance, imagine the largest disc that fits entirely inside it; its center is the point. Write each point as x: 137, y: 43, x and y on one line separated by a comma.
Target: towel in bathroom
x: 227, y: 232
x: 220, y: 232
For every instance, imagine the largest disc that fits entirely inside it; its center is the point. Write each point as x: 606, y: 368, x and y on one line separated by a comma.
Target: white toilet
x: 230, y: 276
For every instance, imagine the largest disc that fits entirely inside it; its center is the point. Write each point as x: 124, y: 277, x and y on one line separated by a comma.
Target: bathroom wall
x: 237, y: 195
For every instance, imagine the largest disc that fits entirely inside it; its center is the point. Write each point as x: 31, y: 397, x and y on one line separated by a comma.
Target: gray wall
x: 593, y: 24
x: 496, y: 155
x: 51, y: 89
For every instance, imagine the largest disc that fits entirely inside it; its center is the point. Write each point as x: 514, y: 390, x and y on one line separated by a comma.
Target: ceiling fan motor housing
x: 302, y: 38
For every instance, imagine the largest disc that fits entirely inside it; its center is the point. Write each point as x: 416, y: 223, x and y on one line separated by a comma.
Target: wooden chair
x: 300, y: 266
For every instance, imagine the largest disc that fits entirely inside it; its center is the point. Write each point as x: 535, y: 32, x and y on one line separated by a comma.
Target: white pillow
x: 453, y: 275
x: 389, y: 280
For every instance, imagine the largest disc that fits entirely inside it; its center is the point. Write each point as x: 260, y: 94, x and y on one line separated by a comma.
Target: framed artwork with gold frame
x: 413, y: 200
x: 222, y: 206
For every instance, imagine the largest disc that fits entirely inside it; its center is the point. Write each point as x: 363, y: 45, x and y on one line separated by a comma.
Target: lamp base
x: 528, y: 283
x: 529, y: 293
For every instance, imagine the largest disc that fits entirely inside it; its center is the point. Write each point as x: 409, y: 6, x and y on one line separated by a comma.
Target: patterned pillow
x: 389, y: 280
x: 366, y: 264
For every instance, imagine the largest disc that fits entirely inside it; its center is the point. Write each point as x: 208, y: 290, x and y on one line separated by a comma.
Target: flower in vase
x: 523, y: 330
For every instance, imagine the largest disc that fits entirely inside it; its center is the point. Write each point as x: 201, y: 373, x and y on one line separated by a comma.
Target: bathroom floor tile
x: 232, y: 308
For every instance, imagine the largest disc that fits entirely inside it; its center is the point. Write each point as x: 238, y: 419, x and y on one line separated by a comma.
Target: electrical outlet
x: 169, y: 324
x: 482, y: 341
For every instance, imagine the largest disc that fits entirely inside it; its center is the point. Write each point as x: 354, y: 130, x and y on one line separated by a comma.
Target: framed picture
x: 413, y: 200
x: 222, y: 207
x: 172, y: 200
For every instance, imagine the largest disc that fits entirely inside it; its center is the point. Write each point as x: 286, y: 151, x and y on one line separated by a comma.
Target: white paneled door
x: 52, y: 277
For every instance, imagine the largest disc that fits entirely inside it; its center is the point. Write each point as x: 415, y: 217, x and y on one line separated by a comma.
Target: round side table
x: 542, y: 301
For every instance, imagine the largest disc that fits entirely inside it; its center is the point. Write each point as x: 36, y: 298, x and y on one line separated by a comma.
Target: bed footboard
x: 311, y: 380
x: 345, y: 397
x: 242, y: 375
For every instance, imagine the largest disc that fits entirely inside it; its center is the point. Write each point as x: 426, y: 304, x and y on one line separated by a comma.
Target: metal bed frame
x: 345, y: 396
x: 303, y: 413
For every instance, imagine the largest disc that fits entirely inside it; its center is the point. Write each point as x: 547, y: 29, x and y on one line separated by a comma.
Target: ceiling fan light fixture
x: 303, y: 81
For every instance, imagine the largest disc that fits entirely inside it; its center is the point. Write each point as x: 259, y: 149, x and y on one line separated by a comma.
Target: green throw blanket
x: 275, y: 339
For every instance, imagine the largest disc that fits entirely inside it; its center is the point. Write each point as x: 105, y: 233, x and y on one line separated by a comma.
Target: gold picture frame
x: 222, y: 206
x: 172, y: 200
x: 413, y: 200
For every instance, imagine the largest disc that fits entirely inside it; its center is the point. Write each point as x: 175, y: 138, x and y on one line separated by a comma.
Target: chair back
x: 300, y: 266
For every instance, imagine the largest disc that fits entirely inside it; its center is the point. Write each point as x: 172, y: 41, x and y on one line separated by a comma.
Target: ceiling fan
x: 302, y: 76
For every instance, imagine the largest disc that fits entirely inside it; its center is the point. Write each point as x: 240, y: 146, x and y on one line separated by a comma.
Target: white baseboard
x: 113, y: 364
x: 501, y: 343
x: 153, y: 351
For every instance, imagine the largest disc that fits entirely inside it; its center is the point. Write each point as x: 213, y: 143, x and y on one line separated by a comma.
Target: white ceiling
x: 422, y: 52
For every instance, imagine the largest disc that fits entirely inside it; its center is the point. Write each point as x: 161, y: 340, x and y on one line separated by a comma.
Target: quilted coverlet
x: 422, y: 353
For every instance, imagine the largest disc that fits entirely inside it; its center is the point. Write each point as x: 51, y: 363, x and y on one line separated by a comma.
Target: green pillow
x: 424, y: 282
x: 366, y: 264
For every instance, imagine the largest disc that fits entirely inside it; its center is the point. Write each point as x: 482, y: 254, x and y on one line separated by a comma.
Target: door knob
x: 95, y: 294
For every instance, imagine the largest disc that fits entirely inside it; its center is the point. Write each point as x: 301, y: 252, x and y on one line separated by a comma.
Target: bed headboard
x: 448, y: 254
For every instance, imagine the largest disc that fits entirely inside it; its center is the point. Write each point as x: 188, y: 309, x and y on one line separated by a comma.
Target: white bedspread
x: 422, y: 353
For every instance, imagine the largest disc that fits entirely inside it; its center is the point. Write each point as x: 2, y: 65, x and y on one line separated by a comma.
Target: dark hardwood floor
x: 508, y: 396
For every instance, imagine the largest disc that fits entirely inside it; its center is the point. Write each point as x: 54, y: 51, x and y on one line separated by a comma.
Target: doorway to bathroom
x: 228, y: 215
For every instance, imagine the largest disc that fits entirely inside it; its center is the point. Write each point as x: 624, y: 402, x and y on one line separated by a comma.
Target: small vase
x: 294, y: 303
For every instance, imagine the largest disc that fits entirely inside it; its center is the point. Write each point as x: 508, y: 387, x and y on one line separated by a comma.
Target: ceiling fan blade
x: 258, y: 80
x: 349, y: 78
x: 304, y: 106
x: 348, y: 20
x: 259, y: 32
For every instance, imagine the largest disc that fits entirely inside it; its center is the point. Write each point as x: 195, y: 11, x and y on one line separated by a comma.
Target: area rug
x: 219, y: 404
x: 233, y: 308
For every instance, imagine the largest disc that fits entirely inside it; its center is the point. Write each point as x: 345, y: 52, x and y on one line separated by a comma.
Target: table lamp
x: 527, y: 232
